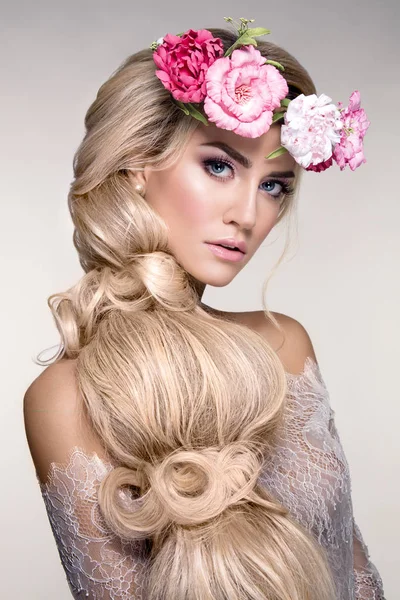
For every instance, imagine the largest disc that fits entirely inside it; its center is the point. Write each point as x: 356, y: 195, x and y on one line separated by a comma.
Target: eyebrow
x: 243, y: 160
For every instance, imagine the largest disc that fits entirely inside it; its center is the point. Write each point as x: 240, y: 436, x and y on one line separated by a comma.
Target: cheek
x: 267, y: 222
x: 193, y: 206
x: 187, y: 199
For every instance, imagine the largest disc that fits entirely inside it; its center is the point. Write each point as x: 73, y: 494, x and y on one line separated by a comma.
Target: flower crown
x: 240, y: 89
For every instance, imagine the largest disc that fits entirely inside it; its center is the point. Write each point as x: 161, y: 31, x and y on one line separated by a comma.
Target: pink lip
x: 241, y: 244
x: 225, y: 253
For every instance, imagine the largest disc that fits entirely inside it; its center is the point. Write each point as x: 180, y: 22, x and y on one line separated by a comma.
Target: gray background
x: 342, y: 282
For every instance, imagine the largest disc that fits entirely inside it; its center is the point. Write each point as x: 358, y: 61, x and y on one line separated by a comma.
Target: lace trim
x: 368, y: 585
x: 98, y: 465
x: 311, y: 370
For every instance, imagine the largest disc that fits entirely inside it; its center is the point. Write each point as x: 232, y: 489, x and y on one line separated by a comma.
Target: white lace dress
x: 308, y: 473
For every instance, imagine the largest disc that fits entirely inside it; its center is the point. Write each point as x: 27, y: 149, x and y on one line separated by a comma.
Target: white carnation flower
x: 312, y: 128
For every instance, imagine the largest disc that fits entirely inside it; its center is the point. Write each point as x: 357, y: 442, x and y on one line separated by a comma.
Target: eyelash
x: 287, y: 189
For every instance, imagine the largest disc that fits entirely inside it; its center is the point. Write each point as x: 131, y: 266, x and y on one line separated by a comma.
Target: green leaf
x: 258, y: 31
x: 277, y: 116
x: 196, y: 114
x: 285, y: 102
x: 276, y: 153
x: 190, y: 110
x: 244, y: 40
x: 275, y: 64
x: 182, y: 107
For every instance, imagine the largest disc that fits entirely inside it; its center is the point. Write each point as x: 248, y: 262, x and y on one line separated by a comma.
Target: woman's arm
x: 70, y: 464
x: 368, y: 584
x: 294, y: 353
x: 367, y: 581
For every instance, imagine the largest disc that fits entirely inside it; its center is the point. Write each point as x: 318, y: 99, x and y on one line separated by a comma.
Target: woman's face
x: 222, y: 187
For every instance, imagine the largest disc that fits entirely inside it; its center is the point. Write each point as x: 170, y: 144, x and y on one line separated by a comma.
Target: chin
x: 216, y: 279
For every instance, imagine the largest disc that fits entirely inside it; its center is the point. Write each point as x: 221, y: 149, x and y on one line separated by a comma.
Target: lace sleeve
x: 368, y: 584
x: 367, y: 581
x: 98, y: 564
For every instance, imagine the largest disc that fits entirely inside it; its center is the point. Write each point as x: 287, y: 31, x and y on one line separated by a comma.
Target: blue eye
x: 217, y: 167
x: 286, y: 189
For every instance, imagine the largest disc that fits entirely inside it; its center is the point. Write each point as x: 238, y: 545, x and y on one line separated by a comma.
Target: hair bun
x: 149, y: 277
x: 194, y: 486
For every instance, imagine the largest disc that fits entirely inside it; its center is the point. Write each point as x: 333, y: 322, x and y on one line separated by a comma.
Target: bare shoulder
x: 54, y: 417
x: 293, y: 348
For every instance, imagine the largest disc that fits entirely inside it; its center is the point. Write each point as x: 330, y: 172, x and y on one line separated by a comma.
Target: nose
x: 242, y: 208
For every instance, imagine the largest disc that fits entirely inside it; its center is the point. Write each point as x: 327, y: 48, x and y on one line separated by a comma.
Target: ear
x: 140, y: 176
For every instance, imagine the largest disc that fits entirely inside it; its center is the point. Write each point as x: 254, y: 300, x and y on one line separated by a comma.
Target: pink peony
x: 312, y: 127
x: 242, y: 92
x: 349, y: 150
x: 183, y: 63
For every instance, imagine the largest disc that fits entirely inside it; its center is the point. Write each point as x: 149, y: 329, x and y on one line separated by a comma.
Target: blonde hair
x: 187, y: 403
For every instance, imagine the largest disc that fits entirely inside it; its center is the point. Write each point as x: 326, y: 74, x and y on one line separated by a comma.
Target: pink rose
x: 349, y: 150
x: 183, y: 63
x: 242, y: 92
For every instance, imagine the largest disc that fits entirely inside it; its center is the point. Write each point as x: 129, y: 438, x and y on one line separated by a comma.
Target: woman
x: 184, y: 452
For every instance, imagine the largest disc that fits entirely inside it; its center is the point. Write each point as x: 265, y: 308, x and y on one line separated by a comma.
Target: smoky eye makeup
x: 222, y: 168
x: 218, y: 166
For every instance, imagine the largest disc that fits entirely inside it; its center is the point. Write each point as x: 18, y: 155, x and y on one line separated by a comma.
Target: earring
x: 139, y: 188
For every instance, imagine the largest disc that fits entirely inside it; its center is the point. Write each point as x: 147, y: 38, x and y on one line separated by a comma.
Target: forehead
x: 255, y: 148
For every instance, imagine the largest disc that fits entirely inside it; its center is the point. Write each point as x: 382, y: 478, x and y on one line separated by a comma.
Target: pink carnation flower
x: 322, y: 166
x: 349, y: 150
x: 242, y: 92
x: 183, y: 63
x: 312, y: 127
